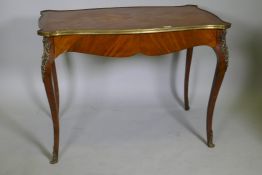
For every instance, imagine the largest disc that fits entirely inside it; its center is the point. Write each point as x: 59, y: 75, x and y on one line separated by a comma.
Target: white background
x: 125, y: 116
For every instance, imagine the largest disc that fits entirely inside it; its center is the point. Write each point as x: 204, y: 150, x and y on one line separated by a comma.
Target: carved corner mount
x: 46, y: 54
x: 224, y: 47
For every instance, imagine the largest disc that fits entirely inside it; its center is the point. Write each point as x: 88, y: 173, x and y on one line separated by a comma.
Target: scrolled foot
x: 54, y: 159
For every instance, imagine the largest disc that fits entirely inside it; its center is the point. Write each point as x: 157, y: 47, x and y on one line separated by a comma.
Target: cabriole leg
x: 222, y: 63
x: 51, y: 86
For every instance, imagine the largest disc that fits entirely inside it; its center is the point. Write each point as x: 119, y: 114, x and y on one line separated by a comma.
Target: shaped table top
x: 127, y: 20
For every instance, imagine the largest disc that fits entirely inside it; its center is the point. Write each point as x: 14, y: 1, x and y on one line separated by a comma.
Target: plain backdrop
x: 126, y: 116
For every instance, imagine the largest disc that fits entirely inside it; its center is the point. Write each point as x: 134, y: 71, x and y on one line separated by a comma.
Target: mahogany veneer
x: 126, y: 31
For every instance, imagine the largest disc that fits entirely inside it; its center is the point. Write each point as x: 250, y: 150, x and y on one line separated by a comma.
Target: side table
x: 126, y: 31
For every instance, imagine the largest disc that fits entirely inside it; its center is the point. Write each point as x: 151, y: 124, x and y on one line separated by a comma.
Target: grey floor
x: 131, y: 134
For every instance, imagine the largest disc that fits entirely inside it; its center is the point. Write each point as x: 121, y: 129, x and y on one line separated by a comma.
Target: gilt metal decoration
x: 224, y: 47
x: 46, y: 53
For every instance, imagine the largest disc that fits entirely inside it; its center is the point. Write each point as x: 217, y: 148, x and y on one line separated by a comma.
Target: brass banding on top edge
x: 128, y: 31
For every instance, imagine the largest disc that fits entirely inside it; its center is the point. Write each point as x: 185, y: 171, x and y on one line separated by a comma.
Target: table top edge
x: 100, y: 8
x: 130, y: 31
x: 61, y: 32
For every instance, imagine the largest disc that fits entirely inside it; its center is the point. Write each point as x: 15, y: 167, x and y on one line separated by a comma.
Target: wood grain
x: 127, y: 45
x: 123, y: 18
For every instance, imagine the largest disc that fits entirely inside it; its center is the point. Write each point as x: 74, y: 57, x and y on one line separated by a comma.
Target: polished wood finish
x: 221, y: 68
x: 187, y: 72
x: 125, y: 45
x: 52, y: 91
x: 127, y: 18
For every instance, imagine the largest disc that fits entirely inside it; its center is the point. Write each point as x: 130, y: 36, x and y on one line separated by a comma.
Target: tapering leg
x: 187, y: 72
x: 55, y: 84
x: 51, y: 87
x: 222, y: 60
x: 54, y: 112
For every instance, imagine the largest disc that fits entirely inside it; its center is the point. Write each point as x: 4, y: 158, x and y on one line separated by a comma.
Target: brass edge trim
x: 128, y: 31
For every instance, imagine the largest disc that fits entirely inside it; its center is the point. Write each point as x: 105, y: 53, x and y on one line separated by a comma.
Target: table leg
x: 51, y: 87
x: 55, y: 83
x: 222, y: 61
x: 187, y: 72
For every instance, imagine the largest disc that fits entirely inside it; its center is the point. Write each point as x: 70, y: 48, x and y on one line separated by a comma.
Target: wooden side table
x: 125, y: 31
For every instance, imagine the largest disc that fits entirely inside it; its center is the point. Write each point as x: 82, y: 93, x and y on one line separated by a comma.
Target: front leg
x: 221, y: 51
x: 55, y: 84
x: 51, y: 87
